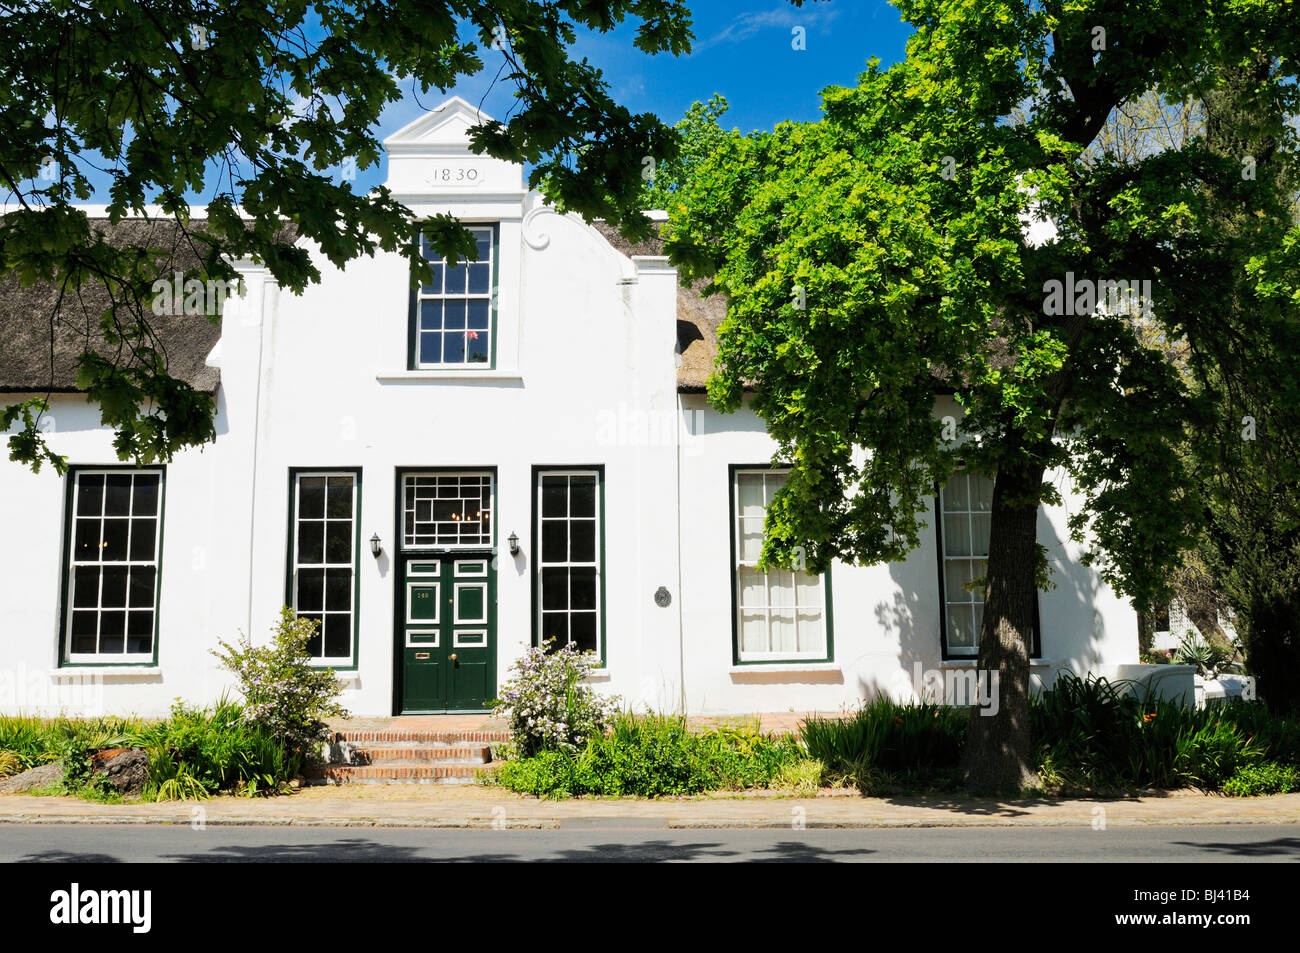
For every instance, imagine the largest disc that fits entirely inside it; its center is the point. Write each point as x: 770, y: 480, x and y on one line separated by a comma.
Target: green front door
x: 448, y: 627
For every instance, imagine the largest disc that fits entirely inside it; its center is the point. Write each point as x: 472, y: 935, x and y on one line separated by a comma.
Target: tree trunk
x: 998, y: 756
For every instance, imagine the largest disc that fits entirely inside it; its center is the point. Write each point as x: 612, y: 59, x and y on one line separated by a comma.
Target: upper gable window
x: 453, y: 318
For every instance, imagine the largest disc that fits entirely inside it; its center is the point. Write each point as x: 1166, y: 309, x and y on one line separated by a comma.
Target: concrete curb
x: 663, y: 823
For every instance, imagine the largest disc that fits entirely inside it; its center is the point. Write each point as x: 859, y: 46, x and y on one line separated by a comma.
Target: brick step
x: 397, y: 774
x: 420, y: 736
x: 401, y: 753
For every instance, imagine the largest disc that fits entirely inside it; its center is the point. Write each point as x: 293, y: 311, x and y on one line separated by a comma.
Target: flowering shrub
x: 283, y: 692
x: 547, y: 704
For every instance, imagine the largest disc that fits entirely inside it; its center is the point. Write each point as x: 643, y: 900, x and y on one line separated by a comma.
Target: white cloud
x: 787, y: 17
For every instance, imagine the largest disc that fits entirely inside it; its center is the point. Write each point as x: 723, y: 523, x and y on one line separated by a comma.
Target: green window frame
x: 783, y: 615
x: 569, y: 557
x: 323, y: 580
x: 112, y: 566
x: 453, y: 320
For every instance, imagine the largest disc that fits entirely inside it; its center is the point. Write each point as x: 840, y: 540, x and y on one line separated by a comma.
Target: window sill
x: 104, y: 671
x: 449, y: 375
x: 752, y: 668
x: 958, y: 663
x: 600, y: 675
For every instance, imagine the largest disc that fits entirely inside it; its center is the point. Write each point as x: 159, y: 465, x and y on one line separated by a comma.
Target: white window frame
x: 419, y: 296
x: 70, y: 566
x: 961, y: 651
x: 598, y: 564
x: 740, y: 564
x: 473, y: 546
x: 329, y: 661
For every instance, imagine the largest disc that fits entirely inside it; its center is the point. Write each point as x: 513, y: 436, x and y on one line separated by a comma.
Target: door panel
x: 448, y: 627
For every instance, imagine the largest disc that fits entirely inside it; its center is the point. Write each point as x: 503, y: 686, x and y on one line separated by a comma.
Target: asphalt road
x: 634, y: 841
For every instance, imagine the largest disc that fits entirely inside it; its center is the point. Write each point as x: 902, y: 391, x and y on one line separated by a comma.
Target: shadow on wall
x: 908, y: 622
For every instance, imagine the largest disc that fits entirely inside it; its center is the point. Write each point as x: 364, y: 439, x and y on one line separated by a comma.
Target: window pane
x: 311, y: 590
x: 430, y: 315
x: 338, y: 634
x: 311, y: 497
x: 339, y: 501
x: 961, y: 627
x: 476, y: 345
x: 555, y: 543
x: 145, y: 501
x: 751, y: 540
x: 582, y: 630
x: 453, y: 315
x: 555, y: 625
x: 555, y: 496
x: 112, y: 593
x: 112, y: 632
x: 311, y: 541
x: 430, y: 347
x: 956, y: 535
x: 955, y: 496
x: 456, y: 279
x: 143, y: 579
x: 435, y: 286
x: 483, y: 243
x: 338, y: 590
x: 810, y: 632
x: 982, y: 488
x: 313, y: 643
x: 338, y: 541
x: 86, y: 545
x: 582, y: 495
x: 143, y: 533
x: 477, y: 314
x: 582, y: 541
x: 753, y: 632
x: 980, y: 524
x: 85, y: 587
x: 749, y: 493
x: 752, y: 588
x: 115, y: 533
x: 117, y: 494
x: 582, y: 586
x: 783, y: 632
x: 139, y: 632
x: 957, y: 572
x: 84, y: 625
x: 453, y: 349
x: 480, y: 276
x: 90, y: 495
x: 808, y: 590
x: 555, y: 588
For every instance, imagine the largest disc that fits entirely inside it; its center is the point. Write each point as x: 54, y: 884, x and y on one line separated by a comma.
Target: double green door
x: 448, y: 630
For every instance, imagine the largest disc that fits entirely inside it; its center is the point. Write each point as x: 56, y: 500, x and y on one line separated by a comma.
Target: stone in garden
x: 127, y: 769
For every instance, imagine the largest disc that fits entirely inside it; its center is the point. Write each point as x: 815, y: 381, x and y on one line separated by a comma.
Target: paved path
x: 476, y: 806
x: 614, y: 842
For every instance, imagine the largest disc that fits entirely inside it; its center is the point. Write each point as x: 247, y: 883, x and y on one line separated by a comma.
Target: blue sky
x: 742, y: 50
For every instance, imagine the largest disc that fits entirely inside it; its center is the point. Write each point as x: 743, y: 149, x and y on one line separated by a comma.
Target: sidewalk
x: 477, y: 806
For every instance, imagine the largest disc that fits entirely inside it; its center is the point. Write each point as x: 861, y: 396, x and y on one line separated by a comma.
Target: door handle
x: 452, y: 657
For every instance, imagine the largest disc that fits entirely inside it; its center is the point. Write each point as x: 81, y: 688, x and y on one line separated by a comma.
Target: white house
x: 550, y: 393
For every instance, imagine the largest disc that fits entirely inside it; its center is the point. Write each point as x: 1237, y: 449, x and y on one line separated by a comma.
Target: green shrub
x: 283, y: 691
x: 10, y: 763
x: 655, y: 756
x: 199, y: 751
x: 1269, y: 777
x: 888, y: 736
x: 547, y: 704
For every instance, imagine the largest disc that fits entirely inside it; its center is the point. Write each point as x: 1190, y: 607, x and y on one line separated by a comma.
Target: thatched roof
x: 697, y: 317
x: 31, y: 361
